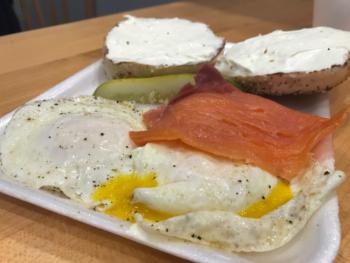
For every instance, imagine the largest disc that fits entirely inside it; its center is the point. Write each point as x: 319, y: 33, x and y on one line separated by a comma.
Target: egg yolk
x: 119, y: 190
x: 280, y: 194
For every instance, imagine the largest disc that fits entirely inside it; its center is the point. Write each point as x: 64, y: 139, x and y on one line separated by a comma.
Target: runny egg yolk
x: 280, y: 194
x: 119, y: 190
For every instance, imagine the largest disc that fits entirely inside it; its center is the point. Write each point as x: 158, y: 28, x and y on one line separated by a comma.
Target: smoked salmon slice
x: 215, y: 117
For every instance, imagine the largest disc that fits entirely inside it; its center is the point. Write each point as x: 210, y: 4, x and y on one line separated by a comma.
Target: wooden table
x: 33, y: 61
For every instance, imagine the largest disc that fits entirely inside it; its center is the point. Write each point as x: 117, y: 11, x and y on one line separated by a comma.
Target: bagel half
x: 146, y: 47
x: 305, y: 61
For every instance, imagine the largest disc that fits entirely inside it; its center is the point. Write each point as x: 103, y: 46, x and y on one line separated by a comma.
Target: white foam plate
x: 318, y: 242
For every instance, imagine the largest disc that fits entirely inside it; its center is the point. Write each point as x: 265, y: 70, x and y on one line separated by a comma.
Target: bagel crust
x: 295, y: 83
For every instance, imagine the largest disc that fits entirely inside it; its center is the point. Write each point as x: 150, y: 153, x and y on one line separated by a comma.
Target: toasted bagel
x: 145, y: 47
x: 310, y: 60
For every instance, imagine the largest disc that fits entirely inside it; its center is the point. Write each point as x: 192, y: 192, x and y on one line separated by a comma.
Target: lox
x: 215, y: 117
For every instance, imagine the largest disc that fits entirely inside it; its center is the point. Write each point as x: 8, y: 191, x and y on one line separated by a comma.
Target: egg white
x: 192, y: 181
x: 71, y: 144
x: 224, y: 229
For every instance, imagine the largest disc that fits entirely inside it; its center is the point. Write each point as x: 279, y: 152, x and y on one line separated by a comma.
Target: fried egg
x: 235, y: 207
x: 81, y: 147
x: 193, y: 181
x: 235, y: 232
x: 72, y: 145
x: 203, y: 199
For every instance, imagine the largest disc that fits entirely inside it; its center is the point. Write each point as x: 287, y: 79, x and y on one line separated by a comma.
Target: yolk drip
x: 119, y: 191
x: 280, y: 194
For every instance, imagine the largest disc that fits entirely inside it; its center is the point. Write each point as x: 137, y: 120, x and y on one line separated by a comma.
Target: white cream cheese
x: 161, y: 42
x: 304, y: 50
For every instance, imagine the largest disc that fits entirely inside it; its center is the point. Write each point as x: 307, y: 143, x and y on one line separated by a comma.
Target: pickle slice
x: 144, y: 90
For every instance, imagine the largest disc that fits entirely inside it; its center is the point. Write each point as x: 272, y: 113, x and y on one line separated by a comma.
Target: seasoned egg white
x: 193, y: 181
x: 172, y: 180
x: 71, y: 144
x: 197, y: 197
x: 220, y: 223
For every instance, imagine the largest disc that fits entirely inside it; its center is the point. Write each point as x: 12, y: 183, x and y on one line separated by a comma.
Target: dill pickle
x: 151, y: 90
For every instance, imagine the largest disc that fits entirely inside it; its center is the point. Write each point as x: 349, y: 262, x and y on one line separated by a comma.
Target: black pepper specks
x: 290, y: 222
x: 196, y: 236
x: 263, y: 198
x: 174, y: 165
x: 326, y: 173
x: 102, y: 134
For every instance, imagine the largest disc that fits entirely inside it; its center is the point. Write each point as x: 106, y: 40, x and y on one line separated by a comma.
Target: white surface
x: 303, y: 50
x: 167, y: 41
x: 317, y: 243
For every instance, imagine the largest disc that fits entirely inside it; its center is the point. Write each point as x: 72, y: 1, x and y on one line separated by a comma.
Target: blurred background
x: 22, y: 15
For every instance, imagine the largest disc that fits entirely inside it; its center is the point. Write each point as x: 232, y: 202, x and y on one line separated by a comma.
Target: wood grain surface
x: 33, y: 61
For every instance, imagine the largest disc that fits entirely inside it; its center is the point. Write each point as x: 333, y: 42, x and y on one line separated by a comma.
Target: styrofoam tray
x: 318, y: 242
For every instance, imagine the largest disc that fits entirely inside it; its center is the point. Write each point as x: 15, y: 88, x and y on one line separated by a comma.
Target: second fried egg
x: 72, y: 145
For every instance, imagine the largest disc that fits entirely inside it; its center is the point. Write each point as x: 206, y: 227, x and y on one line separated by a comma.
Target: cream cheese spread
x: 162, y: 42
x: 304, y: 50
